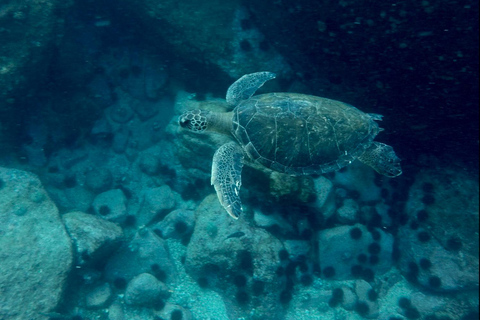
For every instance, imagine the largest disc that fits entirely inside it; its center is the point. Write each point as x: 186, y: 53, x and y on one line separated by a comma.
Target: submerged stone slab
x: 238, y: 47
x: 95, y: 238
x: 439, y: 245
x: 35, y: 249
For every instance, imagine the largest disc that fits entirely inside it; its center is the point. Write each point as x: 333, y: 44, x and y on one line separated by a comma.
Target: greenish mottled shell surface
x: 302, y: 134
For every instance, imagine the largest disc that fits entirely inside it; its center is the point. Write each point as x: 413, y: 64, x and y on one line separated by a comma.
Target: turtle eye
x: 193, y: 120
x: 185, y: 123
x: 186, y: 119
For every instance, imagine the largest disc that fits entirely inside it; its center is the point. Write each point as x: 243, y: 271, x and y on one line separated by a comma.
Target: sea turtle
x: 293, y: 133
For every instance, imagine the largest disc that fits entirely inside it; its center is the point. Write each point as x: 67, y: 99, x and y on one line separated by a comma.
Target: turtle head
x: 194, y: 120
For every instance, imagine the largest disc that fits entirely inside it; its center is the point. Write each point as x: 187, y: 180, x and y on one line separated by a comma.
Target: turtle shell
x: 302, y: 134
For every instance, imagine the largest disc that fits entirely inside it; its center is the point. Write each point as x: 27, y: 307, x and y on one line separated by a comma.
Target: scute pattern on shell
x: 302, y: 134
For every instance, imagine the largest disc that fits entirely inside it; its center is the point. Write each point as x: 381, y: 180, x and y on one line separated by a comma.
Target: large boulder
x: 35, y: 249
x: 95, y: 238
x: 439, y: 245
x: 98, y: 297
x: 177, y: 224
x: 145, y: 290
x: 145, y: 253
x: 215, y: 32
x: 349, y: 252
x: 236, y: 259
x: 156, y: 203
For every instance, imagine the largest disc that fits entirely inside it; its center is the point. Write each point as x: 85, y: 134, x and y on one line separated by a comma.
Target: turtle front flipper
x: 226, y: 177
x: 383, y: 159
x: 245, y: 87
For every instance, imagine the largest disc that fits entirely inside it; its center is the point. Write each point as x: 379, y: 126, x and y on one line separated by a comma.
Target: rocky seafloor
x: 106, y: 207
x: 114, y: 236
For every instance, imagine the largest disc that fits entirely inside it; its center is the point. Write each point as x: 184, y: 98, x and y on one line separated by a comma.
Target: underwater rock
x: 35, y: 154
x: 144, y: 134
x: 156, y: 203
x: 348, y: 212
x: 111, y: 205
x: 155, y: 78
x: 98, y: 297
x: 35, y: 249
x: 101, y: 128
x: 156, y: 164
x: 272, y: 221
x: 234, y: 50
x: 115, y: 311
x: 405, y: 301
x: 145, y: 290
x: 76, y: 198
x: 325, y: 199
x: 120, y: 140
x: 350, y: 252
x: 94, y: 238
x: 439, y: 244
x: 146, y: 253
x: 297, y: 248
x: 349, y: 298
x: 120, y: 112
x: 99, y: 179
x: 368, y: 306
x: 145, y: 109
x: 173, y: 312
x: 360, y: 179
x: 176, y: 224
x: 149, y: 163
x: 141, y: 75
x: 222, y: 249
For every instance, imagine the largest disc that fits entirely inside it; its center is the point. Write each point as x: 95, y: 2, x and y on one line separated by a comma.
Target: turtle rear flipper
x: 246, y: 86
x: 382, y: 158
x: 227, y: 177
